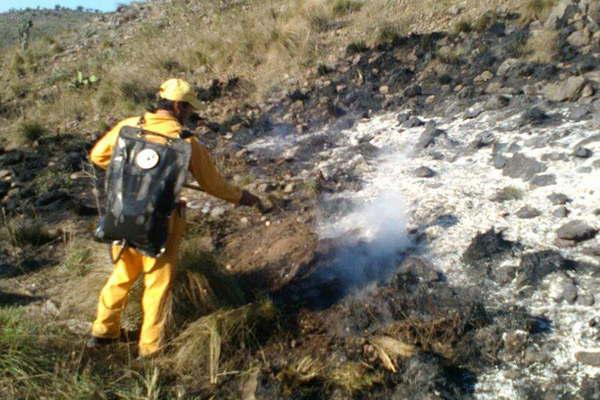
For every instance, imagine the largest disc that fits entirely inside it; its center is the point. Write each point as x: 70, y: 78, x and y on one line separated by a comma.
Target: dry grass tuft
x: 199, y: 351
x: 537, y: 10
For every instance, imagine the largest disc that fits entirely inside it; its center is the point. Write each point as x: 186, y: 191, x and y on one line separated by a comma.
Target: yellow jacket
x: 201, y: 164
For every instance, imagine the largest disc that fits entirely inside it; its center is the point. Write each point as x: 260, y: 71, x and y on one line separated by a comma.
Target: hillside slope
x: 434, y: 171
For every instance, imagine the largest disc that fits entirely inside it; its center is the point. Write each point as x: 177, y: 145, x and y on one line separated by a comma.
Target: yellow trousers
x: 158, y: 278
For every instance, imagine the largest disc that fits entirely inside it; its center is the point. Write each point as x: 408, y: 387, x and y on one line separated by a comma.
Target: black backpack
x: 143, y: 183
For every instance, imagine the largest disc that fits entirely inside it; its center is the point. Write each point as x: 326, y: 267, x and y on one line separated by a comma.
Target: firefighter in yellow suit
x: 176, y: 103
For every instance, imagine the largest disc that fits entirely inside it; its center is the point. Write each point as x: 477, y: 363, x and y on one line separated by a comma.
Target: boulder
x: 559, y: 199
x: 577, y: 231
x: 560, y: 13
x: 412, y: 91
x: 520, y: 166
x: 569, y: 89
x: 424, y: 172
x: 582, y: 152
x: 561, y: 212
x: 579, y: 38
x: 543, y: 180
x: 588, y: 358
x: 413, y: 122
x: 483, y: 139
x: 534, y: 116
x: 429, y: 137
x: 508, y: 65
x: 534, y: 267
x: 528, y: 212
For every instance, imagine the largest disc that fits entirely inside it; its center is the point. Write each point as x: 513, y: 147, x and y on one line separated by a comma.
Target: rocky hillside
x: 435, y: 232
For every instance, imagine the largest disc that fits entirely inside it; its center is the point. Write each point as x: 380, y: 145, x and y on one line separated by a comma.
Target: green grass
x: 41, y: 360
x: 345, y: 7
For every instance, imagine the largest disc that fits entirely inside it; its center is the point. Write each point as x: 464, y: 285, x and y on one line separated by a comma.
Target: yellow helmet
x: 179, y: 90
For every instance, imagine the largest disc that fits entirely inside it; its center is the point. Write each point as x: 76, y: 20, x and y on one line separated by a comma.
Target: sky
x: 103, y: 5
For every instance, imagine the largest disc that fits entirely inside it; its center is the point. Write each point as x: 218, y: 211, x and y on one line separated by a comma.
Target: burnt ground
x: 399, y: 330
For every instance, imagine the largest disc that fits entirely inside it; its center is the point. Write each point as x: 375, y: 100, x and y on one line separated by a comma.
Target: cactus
x: 82, y: 81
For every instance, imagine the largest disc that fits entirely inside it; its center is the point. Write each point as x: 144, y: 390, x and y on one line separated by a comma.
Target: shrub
x: 451, y: 55
x: 30, y: 131
x: 356, y: 47
x: 484, y: 22
x: 136, y: 92
x: 463, y: 26
x: 390, y: 33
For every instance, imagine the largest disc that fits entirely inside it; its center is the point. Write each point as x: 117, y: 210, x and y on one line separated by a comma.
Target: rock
x: 561, y: 212
x: 559, y: 199
x: 418, y: 269
x: 586, y: 300
x: 384, y: 89
x: 483, y: 139
x: 4, y: 188
x: 48, y: 198
x: 580, y: 113
x: 412, y: 91
x: 544, y: 180
x: 474, y: 112
x: 50, y: 308
x: 11, y: 158
x: 515, y: 342
x: 562, y: 288
x: 403, y: 117
x: 483, y: 77
x: 537, y: 265
x: 560, y: 14
x: 569, y: 89
x: 486, y: 249
x: 428, y: 137
x: 592, y: 250
x: 5, y: 174
x: 582, y: 152
x: 289, y: 188
x: 555, y: 156
x: 588, y: 358
x: 413, y: 122
x: 497, y: 102
x: 528, y: 212
x: 534, y: 116
x: 520, y: 166
x: 587, y: 92
x: 499, y: 161
x: 507, y: 65
x: 579, y: 38
x: 424, y: 172
x: 577, y: 231
x: 217, y: 212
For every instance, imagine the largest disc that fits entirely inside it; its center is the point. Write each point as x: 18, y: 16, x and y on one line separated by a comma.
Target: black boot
x: 95, y: 342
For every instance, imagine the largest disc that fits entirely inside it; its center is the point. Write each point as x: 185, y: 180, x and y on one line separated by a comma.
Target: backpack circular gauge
x: 147, y: 159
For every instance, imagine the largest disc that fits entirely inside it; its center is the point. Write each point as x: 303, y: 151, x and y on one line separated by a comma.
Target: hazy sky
x: 104, y: 5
